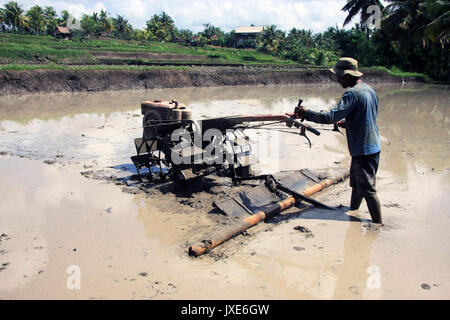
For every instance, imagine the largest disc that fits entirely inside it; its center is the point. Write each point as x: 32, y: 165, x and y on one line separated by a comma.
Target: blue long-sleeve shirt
x: 359, y: 107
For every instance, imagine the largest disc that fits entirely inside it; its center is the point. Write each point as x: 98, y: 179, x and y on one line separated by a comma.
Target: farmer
x: 359, y: 107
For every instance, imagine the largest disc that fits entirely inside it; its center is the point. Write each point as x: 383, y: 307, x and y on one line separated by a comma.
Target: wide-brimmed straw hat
x: 346, y: 66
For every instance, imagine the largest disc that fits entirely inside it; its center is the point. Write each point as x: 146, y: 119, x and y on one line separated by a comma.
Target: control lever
x: 298, y: 124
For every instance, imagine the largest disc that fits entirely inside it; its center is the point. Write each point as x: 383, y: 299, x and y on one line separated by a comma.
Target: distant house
x: 194, y: 41
x: 246, y: 35
x: 214, y: 40
x: 63, y: 33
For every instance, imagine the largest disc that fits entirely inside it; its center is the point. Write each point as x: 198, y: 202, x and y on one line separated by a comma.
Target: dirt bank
x: 46, y: 81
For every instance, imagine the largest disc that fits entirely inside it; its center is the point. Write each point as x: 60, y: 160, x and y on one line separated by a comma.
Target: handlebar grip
x: 299, y: 124
x: 315, y: 131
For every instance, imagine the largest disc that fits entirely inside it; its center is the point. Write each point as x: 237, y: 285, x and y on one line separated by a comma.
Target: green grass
x: 28, y: 49
x: 13, y: 52
x: 399, y: 73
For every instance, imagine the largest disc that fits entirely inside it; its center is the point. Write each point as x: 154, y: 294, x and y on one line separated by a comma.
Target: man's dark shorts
x: 362, y: 174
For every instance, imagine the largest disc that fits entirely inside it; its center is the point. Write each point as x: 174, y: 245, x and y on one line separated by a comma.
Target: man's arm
x: 340, y: 111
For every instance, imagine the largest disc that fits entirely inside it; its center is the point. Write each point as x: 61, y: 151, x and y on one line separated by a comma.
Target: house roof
x: 248, y: 30
x: 63, y: 29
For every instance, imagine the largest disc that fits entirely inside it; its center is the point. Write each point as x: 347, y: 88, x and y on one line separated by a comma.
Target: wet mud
x: 70, y: 197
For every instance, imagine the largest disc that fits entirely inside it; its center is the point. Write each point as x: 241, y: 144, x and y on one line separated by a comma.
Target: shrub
x: 249, y: 58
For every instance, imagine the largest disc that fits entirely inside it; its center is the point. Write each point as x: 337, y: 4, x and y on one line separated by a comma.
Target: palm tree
x: 2, y: 19
x: 64, y: 18
x: 121, y: 27
x: 360, y: 7
x: 91, y: 24
x: 439, y: 28
x: 94, y: 16
x: 103, y: 15
x: 105, y: 23
x: 305, y: 37
x: 186, y: 35
x: 36, y: 18
x: 162, y: 26
x: 49, y: 13
x: 166, y: 20
x: 212, y: 33
x: 271, y: 39
x: 14, y: 16
x: 405, y: 14
x: 404, y: 22
x: 140, y: 35
x: 50, y: 17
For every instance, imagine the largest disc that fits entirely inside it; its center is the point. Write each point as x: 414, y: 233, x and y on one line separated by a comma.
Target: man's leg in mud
x: 355, y: 201
x: 363, y: 172
x: 370, y: 194
x: 373, y: 204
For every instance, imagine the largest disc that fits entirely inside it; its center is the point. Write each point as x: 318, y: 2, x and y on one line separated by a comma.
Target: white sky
x: 316, y: 15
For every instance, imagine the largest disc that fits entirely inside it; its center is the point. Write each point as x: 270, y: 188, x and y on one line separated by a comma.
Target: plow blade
x: 267, y: 209
x: 261, y: 198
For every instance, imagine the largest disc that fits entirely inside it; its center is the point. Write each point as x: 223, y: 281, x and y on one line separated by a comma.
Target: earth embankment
x: 46, y: 81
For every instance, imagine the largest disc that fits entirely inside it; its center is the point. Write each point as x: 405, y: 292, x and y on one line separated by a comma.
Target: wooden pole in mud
x: 259, y: 216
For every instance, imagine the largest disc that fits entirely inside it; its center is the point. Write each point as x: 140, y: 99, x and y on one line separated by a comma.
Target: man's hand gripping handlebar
x: 300, y: 113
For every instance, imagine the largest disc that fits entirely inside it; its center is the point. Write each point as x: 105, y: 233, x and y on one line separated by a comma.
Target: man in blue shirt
x: 359, y: 107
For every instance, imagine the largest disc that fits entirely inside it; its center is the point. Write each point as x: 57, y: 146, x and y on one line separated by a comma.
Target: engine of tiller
x: 175, y: 146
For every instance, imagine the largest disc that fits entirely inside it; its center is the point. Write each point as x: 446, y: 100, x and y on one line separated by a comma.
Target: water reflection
x: 414, y: 125
x: 353, y: 275
x: 157, y: 221
x: 413, y: 121
x: 23, y: 108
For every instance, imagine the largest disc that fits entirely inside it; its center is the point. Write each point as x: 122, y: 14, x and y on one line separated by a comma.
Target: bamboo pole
x: 259, y: 216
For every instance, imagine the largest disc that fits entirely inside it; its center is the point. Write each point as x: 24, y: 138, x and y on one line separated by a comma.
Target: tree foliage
x: 122, y: 28
x: 355, y: 7
x: 162, y: 27
x: 36, y: 19
x: 13, y: 16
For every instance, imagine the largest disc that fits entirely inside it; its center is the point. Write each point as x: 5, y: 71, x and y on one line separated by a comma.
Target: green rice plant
x: 29, y: 49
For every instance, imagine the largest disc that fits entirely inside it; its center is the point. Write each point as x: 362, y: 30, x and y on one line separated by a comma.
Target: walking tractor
x: 176, y: 147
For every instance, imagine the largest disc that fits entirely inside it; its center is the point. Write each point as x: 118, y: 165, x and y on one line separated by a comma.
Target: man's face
x: 346, y: 81
x: 343, y: 81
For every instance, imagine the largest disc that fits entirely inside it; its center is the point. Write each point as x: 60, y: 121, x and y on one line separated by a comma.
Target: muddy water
x: 134, y: 246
